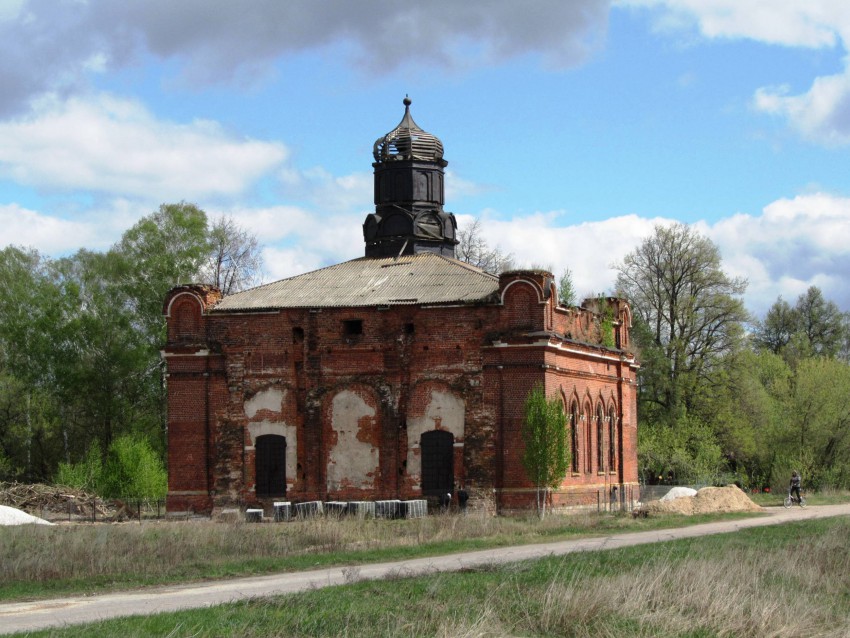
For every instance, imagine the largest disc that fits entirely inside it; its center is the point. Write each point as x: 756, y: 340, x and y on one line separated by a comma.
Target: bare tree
x: 474, y: 250
x: 234, y: 261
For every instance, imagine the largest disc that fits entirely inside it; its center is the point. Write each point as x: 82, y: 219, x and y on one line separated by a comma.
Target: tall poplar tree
x: 546, y: 456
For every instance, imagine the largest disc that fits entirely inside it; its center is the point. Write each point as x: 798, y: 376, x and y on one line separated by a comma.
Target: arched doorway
x: 438, y: 474
x: 270, y: 465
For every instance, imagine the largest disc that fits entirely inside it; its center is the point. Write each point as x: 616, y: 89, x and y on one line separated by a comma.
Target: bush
x: 85, y: 475
x: 131, y: 470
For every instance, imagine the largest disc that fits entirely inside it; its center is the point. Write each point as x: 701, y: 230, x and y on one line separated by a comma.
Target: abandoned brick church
x: 401, y: 374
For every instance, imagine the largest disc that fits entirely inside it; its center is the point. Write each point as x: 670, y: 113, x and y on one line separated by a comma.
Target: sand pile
x: 679, y: 492
x: 707, y: 500
x: 12, y: 516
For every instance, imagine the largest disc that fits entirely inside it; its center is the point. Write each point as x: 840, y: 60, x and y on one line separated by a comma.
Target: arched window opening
x: 270, y: 465
x: 437, y: 447
x: 574, y: 436
x: 613, y: 440
x: 600, y: 439
x: 586, y: 417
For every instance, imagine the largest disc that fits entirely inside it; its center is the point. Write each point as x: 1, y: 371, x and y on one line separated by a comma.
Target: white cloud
x: 811, y: 24
x: 23, y: 227
x: 334, y: 194
x: 589, y: 249
x: 52, y: 235
x: 793, y: 244
x: 115, y: 145
x: 821, y: 114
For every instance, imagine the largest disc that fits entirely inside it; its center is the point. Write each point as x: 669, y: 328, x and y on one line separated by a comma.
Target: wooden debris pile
x: 53, y: 501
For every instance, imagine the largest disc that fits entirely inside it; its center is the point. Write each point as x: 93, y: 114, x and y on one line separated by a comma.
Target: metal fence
x: 99, y: 510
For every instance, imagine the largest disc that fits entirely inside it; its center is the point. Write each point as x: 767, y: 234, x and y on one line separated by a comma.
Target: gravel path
x: 30, y: 616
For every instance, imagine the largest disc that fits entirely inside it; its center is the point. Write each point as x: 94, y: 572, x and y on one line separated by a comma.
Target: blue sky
x: 571, y: 128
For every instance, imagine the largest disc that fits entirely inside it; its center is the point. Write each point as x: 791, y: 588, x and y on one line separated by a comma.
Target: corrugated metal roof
x: 425, y: 278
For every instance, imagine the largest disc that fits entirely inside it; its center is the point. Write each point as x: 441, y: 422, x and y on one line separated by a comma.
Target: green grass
x: 40, y: 562
x: 782, y: 581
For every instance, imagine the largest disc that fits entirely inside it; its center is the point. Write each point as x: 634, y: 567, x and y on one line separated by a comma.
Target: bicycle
x: 790, y: 500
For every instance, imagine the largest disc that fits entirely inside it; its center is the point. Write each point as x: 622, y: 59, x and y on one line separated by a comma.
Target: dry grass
x: 784, y: 581
x: 132, y: 553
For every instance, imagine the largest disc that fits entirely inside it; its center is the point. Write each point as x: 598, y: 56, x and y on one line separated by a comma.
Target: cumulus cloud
x: 97, y: 229
x: 115, y: 145
x: 821, y: 114
x: 590, y: 250
x: 795, y: 243
x: 48, y: 46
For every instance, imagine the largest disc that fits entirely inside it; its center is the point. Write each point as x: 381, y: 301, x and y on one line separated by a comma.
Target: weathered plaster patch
x: 352, y: 462
x: 445, y: 411
x: 270, y: 399
x: 259, y: 428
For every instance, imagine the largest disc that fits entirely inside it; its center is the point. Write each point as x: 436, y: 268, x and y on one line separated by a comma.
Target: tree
x: 566, y: 289
x: 690, y: 313
x: 32, y: 317
x: 823, y: 324
x: 233, y: 263
x: 473, y: 249
x: 779, y: 325
x: 546, y: 456
x: 818, y: 432
x: 159, y: 252
x: 814, y: 326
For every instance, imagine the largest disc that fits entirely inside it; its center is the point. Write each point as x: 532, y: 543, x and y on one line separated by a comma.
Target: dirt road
x: 30, y: 616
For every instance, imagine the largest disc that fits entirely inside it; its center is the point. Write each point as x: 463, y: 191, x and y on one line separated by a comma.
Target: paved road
x: 30, y: 616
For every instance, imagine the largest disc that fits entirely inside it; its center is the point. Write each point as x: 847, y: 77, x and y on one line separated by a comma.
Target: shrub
x: 133, y: 470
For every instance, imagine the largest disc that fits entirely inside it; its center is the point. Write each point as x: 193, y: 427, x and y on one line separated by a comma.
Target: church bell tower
x: 409, y: 193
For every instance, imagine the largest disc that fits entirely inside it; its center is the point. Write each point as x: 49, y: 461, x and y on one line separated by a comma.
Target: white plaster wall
x: 445, y: 411
x: 350, y: 461
x: 259, y: 428
x: 269, y: 399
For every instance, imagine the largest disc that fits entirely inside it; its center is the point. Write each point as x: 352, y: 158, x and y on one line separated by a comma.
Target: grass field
x: 783, y: 581
x: 39, y: 561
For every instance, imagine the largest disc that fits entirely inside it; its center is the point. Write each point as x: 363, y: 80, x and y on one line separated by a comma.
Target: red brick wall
x: 485, y: 358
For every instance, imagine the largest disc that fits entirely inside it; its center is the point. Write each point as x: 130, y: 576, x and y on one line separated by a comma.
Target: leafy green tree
x: 814, y: 326
x: 566, y: 289
x: 546, y: 455
x: 818, y: 433
x: 748, y: 411
x: 110, y: 380
x: 690, y: 317
x: 162, y: 250
x: 820, y: 320
x: 775, y: 331
x: 31, y: 317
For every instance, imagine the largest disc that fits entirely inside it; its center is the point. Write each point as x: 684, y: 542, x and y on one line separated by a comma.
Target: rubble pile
x: 55, y: 501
